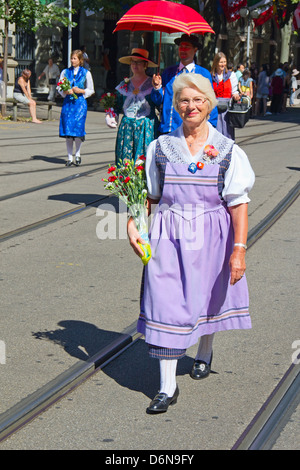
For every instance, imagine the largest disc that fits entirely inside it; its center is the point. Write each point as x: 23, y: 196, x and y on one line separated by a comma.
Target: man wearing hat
x: 294, y: 86
x: 162, y: 92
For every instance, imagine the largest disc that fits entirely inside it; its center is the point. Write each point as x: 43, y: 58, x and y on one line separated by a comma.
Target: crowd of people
x: 263, y: 86
x: 194, y: 285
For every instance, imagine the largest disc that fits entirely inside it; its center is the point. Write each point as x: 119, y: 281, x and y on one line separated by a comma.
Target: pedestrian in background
x: 86, y: 60
x: 52, y: 73
x: 162, y: 93
x: 277, y: 91
x: 225, y: 86
x: 74, y: 109
x: 239, y: 71
x: 286, y: 86
x: 262, y: 92
x: 22, y: 93
x: 245, y: 84
x: 294, y: 86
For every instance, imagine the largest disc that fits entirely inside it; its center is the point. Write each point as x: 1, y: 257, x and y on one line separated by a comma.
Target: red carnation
x: 111, y: 179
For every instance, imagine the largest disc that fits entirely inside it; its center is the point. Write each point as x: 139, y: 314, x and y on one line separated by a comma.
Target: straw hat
x: 137, y: 54
x: 295, y: 72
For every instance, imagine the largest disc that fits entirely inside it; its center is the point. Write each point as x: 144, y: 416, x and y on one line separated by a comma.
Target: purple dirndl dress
x: 186, y: 288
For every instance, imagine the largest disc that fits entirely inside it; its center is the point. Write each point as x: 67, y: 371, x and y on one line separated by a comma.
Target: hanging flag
x: 232, y: 8
x: 259, y: 3
x: 296, y: 18
x: 264, y: 15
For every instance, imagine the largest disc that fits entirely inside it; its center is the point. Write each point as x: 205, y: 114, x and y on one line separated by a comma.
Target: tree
x: 28, y: 15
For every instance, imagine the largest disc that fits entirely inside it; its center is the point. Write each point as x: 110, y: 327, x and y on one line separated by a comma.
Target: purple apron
x: 187, y: 291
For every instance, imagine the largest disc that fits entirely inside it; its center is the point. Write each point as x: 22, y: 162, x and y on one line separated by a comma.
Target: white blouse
x: 89, y: 90
x: 238, y: 180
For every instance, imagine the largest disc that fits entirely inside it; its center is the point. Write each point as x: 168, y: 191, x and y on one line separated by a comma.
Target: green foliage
x: 29, y: 15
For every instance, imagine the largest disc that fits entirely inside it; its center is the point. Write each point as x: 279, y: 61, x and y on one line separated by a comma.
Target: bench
x: 16, y: 103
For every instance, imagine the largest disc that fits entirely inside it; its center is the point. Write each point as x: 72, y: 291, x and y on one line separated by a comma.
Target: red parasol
x: 163, y: 16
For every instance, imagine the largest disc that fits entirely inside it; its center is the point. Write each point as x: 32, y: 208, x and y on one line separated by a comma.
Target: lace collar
x: 175, y: 148
x: 127, y: 88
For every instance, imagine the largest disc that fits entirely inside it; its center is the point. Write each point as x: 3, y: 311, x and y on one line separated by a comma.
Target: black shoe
x: 161, y: 402
x: 69, y: 163
x: 200, y: 370
x: 77, y: 161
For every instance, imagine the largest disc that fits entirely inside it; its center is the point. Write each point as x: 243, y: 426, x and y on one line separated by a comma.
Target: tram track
x: 56, y: 217
x: 260, y: 433
x: 51, y: 183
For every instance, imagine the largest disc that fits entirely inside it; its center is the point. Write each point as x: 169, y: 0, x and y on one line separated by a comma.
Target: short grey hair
x: 194, y: 80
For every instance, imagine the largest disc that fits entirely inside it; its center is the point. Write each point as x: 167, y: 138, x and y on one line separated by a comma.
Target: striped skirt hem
x: 157, y: 352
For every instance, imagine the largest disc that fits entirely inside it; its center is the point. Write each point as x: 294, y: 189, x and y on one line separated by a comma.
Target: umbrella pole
x: 159, y: 49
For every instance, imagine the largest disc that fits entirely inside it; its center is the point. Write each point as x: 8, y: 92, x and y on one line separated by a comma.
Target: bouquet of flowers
x: 65, y: 85
x: 108, y: 101
x: 128, y: 182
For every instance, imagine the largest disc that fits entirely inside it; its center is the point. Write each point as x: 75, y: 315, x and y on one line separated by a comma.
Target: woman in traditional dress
x: 139, y: 123
x: 225, y: 87
x: 194, y: 284
x: 74, y: 109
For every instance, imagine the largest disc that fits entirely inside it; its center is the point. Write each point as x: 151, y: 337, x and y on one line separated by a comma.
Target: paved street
x: 66, y: 293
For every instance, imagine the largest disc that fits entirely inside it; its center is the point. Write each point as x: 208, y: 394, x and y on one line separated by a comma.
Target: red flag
x: 232, y: 8
x: 264, y: 16
x: 296, y: 18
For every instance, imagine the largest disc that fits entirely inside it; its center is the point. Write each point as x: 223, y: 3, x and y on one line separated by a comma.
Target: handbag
x: 52, y: 81
x: 239, y: 112
x: 222, y: 105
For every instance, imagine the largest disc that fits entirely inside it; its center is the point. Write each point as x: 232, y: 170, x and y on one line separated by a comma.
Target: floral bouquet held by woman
x: 65, y: 85
x: 108, y: 101
x: 128, y: 182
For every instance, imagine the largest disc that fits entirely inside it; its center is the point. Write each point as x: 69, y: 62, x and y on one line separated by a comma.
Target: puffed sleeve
x: 152, y: 172
x: 239, y: 178
x: 234, y: 83
x: 89, y: 89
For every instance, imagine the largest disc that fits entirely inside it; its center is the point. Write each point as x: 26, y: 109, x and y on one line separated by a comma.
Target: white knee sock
x: 78, y: 143
x: 205, y: 348
x: 69, y: 143
x: 168, y: 376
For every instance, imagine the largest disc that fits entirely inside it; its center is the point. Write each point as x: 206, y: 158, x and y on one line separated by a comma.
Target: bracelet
x: 240, y: 244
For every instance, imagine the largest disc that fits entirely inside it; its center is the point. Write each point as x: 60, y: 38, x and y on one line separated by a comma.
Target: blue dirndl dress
x: 74, y: 111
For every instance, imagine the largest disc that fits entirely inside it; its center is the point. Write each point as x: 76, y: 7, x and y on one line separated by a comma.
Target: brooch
x: 209, y: 153
x: 193, y: 167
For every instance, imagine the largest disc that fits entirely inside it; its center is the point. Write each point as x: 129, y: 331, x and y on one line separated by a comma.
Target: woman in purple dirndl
x: 194, y: 284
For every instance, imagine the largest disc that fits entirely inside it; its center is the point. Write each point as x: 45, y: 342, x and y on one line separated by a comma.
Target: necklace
x: 198, y: 142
